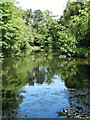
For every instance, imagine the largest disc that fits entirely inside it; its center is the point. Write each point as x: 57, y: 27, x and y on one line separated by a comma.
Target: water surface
x: 43, y: 86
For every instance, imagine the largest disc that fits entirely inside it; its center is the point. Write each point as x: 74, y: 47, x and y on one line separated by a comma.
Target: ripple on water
x: 43, y: 100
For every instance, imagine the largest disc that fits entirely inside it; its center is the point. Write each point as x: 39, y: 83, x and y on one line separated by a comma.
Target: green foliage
x: 75, y: 21
x: 25, y: 31
x: 67, y: 43
x: 14, y: 39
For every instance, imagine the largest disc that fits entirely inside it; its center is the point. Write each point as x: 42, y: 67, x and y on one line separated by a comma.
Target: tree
x: 14, y: 32
x: 75, y: 22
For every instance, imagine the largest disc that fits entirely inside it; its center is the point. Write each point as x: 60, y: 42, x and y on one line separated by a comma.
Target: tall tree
x: 14, y: 37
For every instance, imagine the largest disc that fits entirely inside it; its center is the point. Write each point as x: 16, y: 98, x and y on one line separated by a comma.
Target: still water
x: 45, y: 86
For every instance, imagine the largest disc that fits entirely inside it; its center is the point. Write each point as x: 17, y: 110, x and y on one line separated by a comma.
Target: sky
x: 56, y: 6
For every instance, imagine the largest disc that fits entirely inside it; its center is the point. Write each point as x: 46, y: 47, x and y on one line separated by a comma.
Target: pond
x: 45, y: 86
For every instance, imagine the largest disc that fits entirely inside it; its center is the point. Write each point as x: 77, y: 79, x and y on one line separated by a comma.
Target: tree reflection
x: 80, y: 79
x: 16, y: 73
x: 13, y: 78
x: 71, y: 71
x: 39, y: 74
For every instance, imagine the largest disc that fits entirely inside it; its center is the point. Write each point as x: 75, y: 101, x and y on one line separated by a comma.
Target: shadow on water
x: 45, y: 86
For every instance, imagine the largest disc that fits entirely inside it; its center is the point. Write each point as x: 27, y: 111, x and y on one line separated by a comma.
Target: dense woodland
x: 27, y: 31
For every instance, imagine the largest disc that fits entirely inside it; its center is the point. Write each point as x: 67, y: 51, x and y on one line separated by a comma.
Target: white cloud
x: 56, y: 6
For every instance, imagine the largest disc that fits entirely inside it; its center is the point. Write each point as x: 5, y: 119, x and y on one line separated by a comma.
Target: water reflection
x: 13, y: 78
x: 39, y: 87
x: 43, y: 100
